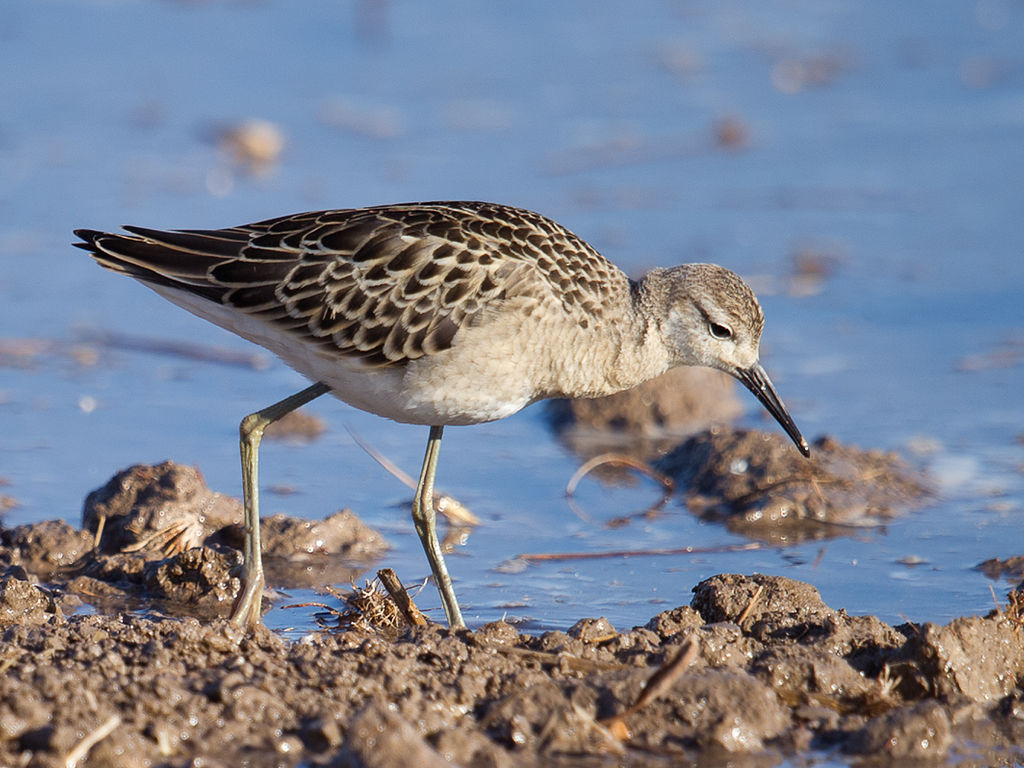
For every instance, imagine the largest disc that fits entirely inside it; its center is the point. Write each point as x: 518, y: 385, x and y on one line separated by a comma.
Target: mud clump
x: 296, y: 427
x: 1011, y: 568
x: 923, y: 731
x: 22, y: 602
x: 755, y: 482
x: 761, y: 487
x: 649, y: 418
x: 158, y: 534
x: 44, y: 548
x: 311, y: 553
x: 774, y: 673
x: 162, y: 508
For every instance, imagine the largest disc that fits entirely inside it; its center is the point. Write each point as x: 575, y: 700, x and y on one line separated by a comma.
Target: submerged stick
x: 188, y: 350
x: 546, y: 556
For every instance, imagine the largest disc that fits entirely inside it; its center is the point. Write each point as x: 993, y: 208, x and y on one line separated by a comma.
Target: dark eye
x: 720, y: 331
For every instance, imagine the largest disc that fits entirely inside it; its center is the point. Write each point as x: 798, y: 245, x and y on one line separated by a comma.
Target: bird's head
x: 712, y: 318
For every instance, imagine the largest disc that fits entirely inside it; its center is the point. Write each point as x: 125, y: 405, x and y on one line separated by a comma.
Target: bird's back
x: 384, y: 285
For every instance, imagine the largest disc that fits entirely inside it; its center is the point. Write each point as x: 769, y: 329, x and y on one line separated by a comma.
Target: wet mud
x: 770, y: 672
x: 761, y: 488
x: 157, y: 535
x: 753, y: 481
x: 650, y: 418
x: 756, y: 670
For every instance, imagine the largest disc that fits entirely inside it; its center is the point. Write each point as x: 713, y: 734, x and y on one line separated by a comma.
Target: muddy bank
x: 774, y: 673
x: 757, y: 485
x: 158, y: 536
x: 752, y: 481
x: 755, y: 671
x: 648, y: 419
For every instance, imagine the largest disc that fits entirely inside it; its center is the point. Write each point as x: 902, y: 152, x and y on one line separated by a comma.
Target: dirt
x: 759, y: 486
x: 757, y: 670
x: 648, y: 419
x: 776, y: 673
x: 755, y: 482
x: 296, y: 427
x: 1011, y: 568
x: 158, y: 535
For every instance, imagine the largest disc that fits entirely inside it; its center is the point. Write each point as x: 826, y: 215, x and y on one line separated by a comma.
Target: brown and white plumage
x: 448, y: 313
x: 360, y: 298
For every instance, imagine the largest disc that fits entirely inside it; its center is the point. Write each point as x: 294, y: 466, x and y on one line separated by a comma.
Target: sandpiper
x: 440, y: 313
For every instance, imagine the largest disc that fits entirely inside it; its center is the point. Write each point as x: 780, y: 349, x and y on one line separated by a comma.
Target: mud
x: 1011, y: 568
x: 775, y: 674
x: 757, y: 670
x: 759, y: 486
x: 753, y: 481
x: 648, y: 419
x: 158, y: 535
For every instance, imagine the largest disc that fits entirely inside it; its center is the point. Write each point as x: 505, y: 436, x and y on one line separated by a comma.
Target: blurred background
x: 861, y: 163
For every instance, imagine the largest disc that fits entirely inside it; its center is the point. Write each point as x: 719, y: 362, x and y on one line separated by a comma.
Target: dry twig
x: 81, y: 749
x: 401, y: 597
x: 456, y: 512
x: 750, y: 606
x: 657, y: 685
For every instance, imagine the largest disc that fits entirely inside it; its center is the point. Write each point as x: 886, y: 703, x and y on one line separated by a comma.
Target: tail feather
x: 222, y: 244
x: 153, y: 262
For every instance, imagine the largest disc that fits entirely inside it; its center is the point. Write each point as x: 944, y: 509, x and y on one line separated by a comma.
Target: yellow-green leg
x: 425, y: 519
x: 247, y: 605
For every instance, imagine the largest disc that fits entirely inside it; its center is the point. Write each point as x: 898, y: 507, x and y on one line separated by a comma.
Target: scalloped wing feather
x: 387, y: 285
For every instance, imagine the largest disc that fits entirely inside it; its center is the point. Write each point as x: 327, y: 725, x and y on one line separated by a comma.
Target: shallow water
x: 886, y: 141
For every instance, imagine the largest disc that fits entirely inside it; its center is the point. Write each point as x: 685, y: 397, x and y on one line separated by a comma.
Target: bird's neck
x: 623, y: 352
x: 641, y: 353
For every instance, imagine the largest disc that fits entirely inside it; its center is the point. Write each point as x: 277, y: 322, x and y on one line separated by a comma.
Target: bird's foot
x: 247, y: 611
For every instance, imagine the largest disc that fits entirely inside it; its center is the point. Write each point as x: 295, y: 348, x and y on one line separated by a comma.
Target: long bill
x: 756, y: 380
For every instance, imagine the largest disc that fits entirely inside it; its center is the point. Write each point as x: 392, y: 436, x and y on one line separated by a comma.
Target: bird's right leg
x: 246, y: 611
x: 424, y: 518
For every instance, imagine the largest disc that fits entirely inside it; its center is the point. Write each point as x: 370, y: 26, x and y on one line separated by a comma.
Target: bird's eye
x: 720, y: 331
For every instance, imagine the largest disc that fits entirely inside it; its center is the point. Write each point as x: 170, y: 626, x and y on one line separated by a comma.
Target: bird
x: 439, y: 314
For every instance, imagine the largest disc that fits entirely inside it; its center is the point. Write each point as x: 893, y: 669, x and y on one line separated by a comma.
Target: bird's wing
x: 387, y: 284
